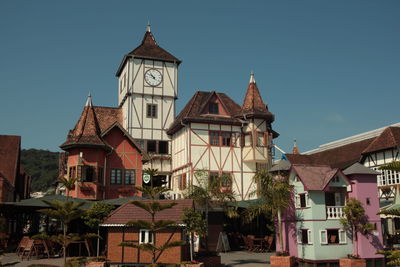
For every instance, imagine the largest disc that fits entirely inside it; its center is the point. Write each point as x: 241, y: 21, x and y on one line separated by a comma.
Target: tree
x: 95, y: 216
x: 65, y: 212
x: 68, y: 183
x: 195, y: 223
x: 355, y: 221
x: 152, y: 208
x: 275, y: 195
x: 207, y: 193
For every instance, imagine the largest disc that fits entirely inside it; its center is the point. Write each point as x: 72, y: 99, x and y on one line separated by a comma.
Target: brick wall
x: 116, y: 253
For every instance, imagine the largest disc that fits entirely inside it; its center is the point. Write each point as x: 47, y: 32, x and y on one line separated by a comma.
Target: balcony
x: 334, y: 212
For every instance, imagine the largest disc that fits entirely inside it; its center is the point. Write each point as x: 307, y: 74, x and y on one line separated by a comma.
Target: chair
x: 252, y: 246
x: 22, y: 245
x: 28, y: 249
x: 268, y: 241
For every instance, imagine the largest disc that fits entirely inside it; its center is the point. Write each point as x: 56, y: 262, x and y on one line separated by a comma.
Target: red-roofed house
x: 102, y: 155
x: 14, y: 181
x: 118, y: 232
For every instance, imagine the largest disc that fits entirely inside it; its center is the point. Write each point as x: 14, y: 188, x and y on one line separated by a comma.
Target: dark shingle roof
x: 389, y: 138
x: 357, y: 168
x: 314, y: 177
x: 253, y: 104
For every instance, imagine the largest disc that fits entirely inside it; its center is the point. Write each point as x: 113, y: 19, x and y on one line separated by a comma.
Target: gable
x: 214, y: 106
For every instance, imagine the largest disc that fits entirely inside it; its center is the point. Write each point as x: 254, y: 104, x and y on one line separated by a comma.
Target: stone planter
x: 352, y: 263
x: 200, y: 264
x: 211, y: 261
x: 281, y: 261
x: 96, y: 264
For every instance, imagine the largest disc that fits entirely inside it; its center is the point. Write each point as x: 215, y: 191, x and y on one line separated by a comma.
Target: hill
x: 42, y: 165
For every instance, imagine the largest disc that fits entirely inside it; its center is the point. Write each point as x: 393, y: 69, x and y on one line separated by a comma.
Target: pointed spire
x: 252, y: 79
x: 89, y: 101
x: 295, y: 148
x: 148, y: 29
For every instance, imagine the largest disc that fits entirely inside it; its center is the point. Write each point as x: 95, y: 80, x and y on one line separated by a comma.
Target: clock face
x: 153, y: 77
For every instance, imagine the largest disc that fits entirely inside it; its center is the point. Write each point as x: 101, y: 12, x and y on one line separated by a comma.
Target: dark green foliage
x: 195, y: 223
x: 96, y: 214
x: 392, y: 255
x: 42, y: 165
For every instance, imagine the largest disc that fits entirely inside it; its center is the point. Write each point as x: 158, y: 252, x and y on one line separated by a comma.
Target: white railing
x: 388, y: 178
x: 334, y: 212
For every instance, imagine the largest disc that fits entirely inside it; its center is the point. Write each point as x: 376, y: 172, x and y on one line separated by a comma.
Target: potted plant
x: 355, y: 222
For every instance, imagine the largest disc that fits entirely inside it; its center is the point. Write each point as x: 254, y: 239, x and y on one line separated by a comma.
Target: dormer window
x: 213, y: 108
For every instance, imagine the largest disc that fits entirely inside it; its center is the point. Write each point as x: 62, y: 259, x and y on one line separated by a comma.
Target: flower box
x: 352, y: 263
x: 281, y: 261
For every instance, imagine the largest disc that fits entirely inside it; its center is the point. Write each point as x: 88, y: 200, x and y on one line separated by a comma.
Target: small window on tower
x: 213, y: 108
x: 151, y: 111
x: 163, y: 147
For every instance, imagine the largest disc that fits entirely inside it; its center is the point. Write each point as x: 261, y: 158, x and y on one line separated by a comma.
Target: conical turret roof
x: 253, y: 104
x: 86, y: 131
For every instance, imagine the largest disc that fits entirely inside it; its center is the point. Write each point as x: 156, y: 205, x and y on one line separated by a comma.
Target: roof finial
x: 252, y: 79
x: 295, y: 148
x: 148, y: 27
x: 89, y: 101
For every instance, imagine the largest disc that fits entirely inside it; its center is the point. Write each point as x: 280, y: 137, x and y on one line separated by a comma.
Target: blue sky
x: 327, y: 69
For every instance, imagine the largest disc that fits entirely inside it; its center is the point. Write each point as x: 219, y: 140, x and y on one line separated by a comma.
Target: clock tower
x: 147, y: 90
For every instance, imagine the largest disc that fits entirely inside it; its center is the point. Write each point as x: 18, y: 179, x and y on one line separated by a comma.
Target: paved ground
x: 230, y: 259
x: 245, y: 259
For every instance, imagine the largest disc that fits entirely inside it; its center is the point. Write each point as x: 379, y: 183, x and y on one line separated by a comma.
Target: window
x: 214, y: 138
x: 302, y: 200
x: 213, y: 108
x: 116, y: 176
x: 213, y: 177
x: 247, y: 140
x: 226, y: 138
x: 130, y: 176
x: 72, y: 172
x: 226, y: 180
x: 304, y: 237
x: 151, y: 111
x: 162, y: 147
x: 260, y: 139
x: 182, y: 182
x: 333, y: 236
x: 368, y: 201
x: 145, y: 237
x: 152, y: 146
x: 88, y: 173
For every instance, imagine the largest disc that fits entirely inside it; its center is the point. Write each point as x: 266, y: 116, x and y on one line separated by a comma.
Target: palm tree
x: 275, y: 195
x: 154, y: 226
x: 68, y: 183
x: 207, y: 193
x: 65, y: 212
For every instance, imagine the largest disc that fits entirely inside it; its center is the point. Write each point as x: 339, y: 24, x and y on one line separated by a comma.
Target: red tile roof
x: 389, y: 138
x: 129, y: 212
x: 338, y: 157
x: 192, y: 112
x: 148, y: 49
x: 315, y: 177
x: 10, y: 146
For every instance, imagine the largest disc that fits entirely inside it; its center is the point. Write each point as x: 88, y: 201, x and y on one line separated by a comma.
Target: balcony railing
x: 334, y: 212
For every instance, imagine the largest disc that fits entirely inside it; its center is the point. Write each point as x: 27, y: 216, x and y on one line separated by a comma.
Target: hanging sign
x: 146, y: 178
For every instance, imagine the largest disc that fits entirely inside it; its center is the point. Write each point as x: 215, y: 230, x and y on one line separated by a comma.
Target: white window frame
x: 340, y: 233
x: 309, y: 237
x: 147, y: 234
x: 299, y: 236
x: 321, y: 233
x: 298, y: 200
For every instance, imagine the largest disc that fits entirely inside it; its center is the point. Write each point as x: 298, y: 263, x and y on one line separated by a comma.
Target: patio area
x: 229, y: 259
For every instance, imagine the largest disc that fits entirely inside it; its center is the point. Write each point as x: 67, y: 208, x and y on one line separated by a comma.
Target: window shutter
x: 342, y: 237
x: 299, y: 236
x: 309, y: 237
x: 297, y: 201
x: 323, y: 237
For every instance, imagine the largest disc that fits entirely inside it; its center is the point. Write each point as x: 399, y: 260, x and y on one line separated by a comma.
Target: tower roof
x: 295, y: 148
x: 148, y: 49
x: 87, y: 130
x: 253, y: 104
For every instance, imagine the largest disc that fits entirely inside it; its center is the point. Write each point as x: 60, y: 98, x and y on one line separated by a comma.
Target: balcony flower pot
x: 352, y: 262
x: 282, y: 260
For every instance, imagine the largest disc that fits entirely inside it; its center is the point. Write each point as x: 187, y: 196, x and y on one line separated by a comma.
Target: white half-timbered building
x: 147, y: 90
x: 215, y: 134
